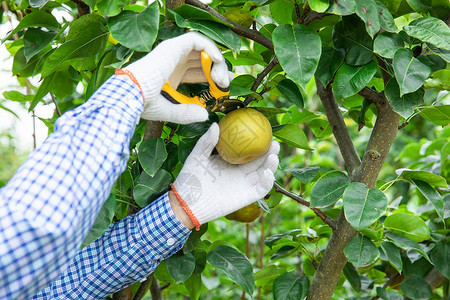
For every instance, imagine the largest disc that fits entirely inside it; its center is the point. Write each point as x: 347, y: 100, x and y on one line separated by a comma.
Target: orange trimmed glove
x: 209, y: 187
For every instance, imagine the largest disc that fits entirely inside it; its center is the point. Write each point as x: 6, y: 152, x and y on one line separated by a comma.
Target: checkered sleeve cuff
x: 160, y: 228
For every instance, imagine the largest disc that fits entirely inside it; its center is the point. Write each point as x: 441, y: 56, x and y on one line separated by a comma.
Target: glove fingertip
x: 188, y: 113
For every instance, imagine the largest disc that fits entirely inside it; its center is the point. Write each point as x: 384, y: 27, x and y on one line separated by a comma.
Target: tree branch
x: 326, y: 219
x: 83, y: 8
x: 235, y: 27
x: 376, y: 97
x: 313, y: 16
x: 260, y: 78
x: 155, y: 290
x: 338, y: 126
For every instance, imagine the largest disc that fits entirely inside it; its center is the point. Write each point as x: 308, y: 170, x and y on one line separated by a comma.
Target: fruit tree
x: 356, y: 91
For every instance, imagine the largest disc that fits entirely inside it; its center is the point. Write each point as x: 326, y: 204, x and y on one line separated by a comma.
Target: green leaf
x: 386, y: 43
x: 432, y: 195
x: 191, y: 12
x: 291, y: 92
x: 216, y: 31
x: 152, y: 153
x: 330, y: 61
x: 440, y: 256
x: 35, y: 40
x: 388, y: 295
x: 297, y: 58
x: 244, y: 58
x: 409, y: 71
x: 284, y: 251
x: 91, y: 3
x: 403, y: 105
x: 36, y: 19
x: 181, y: 266
x: 270, y: 241
x: 410, y: 226
x: 393, y: 255
x: 185, y: 148
x: 440, y: 80
x: 363, y: 206
x: 304, y: 175
x: 420, y: 6
x: 444, y: 54
x: 43, y: 90
x: 329, y: 188
x: 367, y: 10
x: 416, y: 288
x: 193, y: 285
x: 439, y: 115
x: 136, y: 31
x: 292, y: 135
x: 149, y: 188
x: 385, y: 17
x: 430, y: 30
x: 428, y: 177
x: 267, y: 275
x: 270, y: 111
x: 342, y: 7
x: 17, y: 96
x: 235, y: 265
x: 101, y: 224
x: 350, y: 34
x: 87, y: 42
x: 319, y: 5
x: 360, y: 251
x: 23, y: 68
x: 289, y: 287
x: 281, y: 11
x: 406, y: 243
x: 350, y: 80
x: 111, y: 8
x: 352, y: 276
x: 193, y: 129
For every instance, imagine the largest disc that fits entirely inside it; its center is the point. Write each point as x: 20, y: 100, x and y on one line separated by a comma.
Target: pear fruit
x: 245, y: 134
x: 246, y: 214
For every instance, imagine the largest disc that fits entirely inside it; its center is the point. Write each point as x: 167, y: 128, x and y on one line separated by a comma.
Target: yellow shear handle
x: 176, y: 97
x: 215, y: 91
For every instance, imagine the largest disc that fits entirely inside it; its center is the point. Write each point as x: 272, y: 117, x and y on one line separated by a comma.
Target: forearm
x: 53, y: 199
x: 128, y: 252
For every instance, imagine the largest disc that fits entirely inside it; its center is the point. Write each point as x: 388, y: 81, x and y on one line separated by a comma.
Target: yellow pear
x: 245, y: 134
x: 246, y: 214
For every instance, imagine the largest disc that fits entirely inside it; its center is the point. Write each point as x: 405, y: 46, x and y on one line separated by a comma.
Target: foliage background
x: 362, y: 70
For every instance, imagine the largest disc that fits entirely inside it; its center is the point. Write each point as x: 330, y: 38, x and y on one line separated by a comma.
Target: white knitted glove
x: 211, y: 187
x: 176, y: 60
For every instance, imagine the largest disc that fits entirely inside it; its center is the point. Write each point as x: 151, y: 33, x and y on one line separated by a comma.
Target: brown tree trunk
x: 378, y: 146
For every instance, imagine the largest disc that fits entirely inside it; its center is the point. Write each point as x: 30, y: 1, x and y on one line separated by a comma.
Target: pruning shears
x: 214, y: 97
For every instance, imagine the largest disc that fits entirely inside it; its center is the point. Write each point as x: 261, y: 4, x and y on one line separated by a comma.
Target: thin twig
x: 326, y: 219
x: 260, y: 78
x: 58, y: 112
x: 313, y: 16
x: 235, y: 27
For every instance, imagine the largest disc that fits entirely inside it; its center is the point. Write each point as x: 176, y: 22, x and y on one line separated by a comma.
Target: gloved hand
x: 176, y: 60
x: 209, y: 187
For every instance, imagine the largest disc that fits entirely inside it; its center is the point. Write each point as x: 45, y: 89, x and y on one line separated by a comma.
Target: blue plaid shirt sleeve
x: 126, y: 253
x: 51, y: 202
